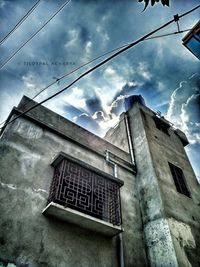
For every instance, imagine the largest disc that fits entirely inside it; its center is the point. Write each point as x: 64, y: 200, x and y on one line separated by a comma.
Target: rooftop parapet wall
x: 177, y: 131
x: 67, y: 129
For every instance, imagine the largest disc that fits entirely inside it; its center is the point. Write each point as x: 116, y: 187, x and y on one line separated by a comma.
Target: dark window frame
x: 161, y: 125
x: 179, y: 180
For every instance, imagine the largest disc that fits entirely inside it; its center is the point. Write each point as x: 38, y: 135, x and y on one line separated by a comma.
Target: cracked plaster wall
x: 181, y: 213
x: 27, y: 238
x: 183, y: 239
x: 160, y: 249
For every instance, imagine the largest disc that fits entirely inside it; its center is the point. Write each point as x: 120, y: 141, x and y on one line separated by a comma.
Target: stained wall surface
x: 171, y: 220
x: 28, y: 238
x: 164, y: 209
x: 181, y: 211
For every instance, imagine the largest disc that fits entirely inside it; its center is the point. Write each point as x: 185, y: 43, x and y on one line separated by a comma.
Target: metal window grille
x: 179, y: 180
x: 79, y: 188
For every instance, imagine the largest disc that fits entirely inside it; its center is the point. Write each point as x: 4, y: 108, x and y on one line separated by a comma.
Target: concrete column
x: 159, y: 244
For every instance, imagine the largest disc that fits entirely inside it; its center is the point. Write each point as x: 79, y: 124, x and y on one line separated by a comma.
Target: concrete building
x: 192, y: 40
x: 71, y: 199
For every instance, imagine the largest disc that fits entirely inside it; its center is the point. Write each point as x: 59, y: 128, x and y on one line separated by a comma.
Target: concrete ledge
x: 81, y: 219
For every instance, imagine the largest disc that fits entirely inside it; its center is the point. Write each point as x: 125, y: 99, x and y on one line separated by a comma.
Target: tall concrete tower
x: 168, y: 190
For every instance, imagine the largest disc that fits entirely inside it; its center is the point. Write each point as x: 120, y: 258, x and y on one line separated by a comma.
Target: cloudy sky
x: 161, y: 69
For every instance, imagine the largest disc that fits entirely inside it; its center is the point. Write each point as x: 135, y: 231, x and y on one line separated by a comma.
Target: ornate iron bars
x: 82, y: 189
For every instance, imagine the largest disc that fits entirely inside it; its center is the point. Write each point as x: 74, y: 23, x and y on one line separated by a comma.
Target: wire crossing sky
x: 87, y: 63
x: 102, y: 63
x: 55, y: 14
x: 20, y: 21
x: 161, y: 70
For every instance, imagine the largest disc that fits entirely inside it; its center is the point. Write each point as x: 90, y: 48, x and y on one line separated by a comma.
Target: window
x: 192, y: 40
x: 161, y: 125
x: 179, y: 180
x: 80, y: 187
x: 193, y: 45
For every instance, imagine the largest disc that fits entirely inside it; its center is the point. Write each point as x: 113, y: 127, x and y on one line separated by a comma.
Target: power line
x: 87, y: 63
x: 58, y: 79
x: 166, y: 34
x: 20, y: 21
x: 102, y: 63
x: 67, y: 74
x: 74, y: 70
x: 94, y: 59
x: 7, y: 60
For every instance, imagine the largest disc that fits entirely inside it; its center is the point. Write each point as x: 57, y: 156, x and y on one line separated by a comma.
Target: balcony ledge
x: 81, y: 219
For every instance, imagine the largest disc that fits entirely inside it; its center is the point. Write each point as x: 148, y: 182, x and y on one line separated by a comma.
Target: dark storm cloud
x: 195, y: 81
x: 94, y: 104
x: 84, y: 34
x: 71, y: 111
x: 87, y: 122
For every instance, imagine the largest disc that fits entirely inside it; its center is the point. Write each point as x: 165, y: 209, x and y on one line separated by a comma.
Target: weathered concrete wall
x: 27, y: 238
x: 183, y: 213
x: 118, y: 135
x: 167, y: 243
x: 157, y: 232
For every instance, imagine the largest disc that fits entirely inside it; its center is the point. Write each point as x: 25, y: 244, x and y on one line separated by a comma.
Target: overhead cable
x: 8, y: 59
x: 102, y: 63
x: 92, y: 60
x: 67, y: 74
x: 166, y: 34
x: 28, y: 13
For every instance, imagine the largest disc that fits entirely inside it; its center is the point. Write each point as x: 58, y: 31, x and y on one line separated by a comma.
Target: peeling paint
x: 28, y: 158
x: 11, y: 265
x: 27, y: 129
x: 23, y: 148
x: 183, y: 239
x: 28, y: 161
x: 40, y: 190
x: 159, y: 243
x: 139, y: 141
x: 7, y: 265
x: 10, y: 186
x: 182, y: 232
x: 26, y: 190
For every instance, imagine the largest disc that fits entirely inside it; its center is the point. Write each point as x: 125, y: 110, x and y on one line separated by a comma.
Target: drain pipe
x: 108, y: 160
x: 121, y: 250
x: 130, y: 145
x: 114, y: 164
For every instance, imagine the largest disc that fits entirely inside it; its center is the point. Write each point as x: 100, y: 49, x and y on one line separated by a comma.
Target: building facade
x: 72, y: 199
